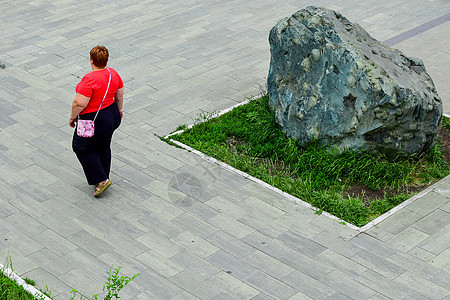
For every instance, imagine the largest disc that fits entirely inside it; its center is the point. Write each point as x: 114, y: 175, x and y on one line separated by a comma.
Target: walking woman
x: 100, y: 98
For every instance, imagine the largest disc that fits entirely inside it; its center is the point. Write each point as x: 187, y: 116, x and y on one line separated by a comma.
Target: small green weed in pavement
x: 249, y: 139
x: 113, y: 285
x: 10, y: 290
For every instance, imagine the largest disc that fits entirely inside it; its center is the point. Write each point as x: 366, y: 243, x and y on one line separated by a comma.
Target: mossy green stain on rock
x: 345, y: 89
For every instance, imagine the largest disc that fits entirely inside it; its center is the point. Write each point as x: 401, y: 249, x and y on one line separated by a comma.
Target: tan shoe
x: 101, y: 187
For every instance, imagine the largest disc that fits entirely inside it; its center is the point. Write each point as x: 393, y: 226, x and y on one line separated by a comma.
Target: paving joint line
x: 417, y: 30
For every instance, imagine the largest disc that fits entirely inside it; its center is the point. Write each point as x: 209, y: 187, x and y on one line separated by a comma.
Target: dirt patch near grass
x: 369, y: 195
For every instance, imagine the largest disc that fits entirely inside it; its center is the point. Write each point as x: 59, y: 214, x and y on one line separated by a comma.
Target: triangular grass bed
x: 248, y: 139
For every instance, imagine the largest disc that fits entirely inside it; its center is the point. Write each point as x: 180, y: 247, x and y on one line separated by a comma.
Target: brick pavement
x: 191, y: 228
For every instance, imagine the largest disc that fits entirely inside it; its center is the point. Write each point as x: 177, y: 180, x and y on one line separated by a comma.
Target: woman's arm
x: 119, y: 100
x: 79, y: 103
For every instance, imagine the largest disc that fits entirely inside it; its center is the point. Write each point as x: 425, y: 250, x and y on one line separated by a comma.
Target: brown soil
x: 369, y: 195
x: 444, y: 135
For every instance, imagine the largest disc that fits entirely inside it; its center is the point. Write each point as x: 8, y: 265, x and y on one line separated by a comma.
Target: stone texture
x: 330, y: 81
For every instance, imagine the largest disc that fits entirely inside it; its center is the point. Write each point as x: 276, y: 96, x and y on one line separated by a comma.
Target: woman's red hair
x: 99, y: 56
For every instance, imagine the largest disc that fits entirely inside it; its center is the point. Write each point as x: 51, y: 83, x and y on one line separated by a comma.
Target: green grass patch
x: 9, y: 289
x: 249, y: 139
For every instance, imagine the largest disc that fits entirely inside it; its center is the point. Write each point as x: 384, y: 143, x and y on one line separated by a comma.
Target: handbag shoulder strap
x: 109, y: 81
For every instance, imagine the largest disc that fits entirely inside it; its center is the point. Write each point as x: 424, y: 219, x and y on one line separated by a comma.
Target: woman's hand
x: 72, y: 122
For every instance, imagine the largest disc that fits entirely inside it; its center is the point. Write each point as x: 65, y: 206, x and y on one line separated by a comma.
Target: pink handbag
x: 86, y: 128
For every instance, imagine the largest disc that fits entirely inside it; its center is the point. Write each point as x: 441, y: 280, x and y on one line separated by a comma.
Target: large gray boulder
x: 330, y: 81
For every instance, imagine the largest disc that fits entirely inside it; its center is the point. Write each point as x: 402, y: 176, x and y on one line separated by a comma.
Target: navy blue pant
x: 94, y: 153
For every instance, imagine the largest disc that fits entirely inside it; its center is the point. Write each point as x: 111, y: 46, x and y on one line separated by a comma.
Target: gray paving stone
x: 230, y: 244
x: 52, y: 241
x: 7, y: 209
x: 184, y: 295
x: 295, y: 259
x: 17, y: 240
x: 90, y: 264
x: 101, y: 210
x: 270, y: 286
x: 87, y: 284
x: 438, y: 242
x: 446, y: 207
x: 195, y: 225
x: 346, y: 285
x: 307, y: 285
x: 196, y: 286
x: 14, y: 177
x: 301, y: 244
x: 159, y: 264
x: 408, y: 239
x: 442, y: 260
x: 224, y: 296
x: 433, y: 200
x: 341, y: 263
x: 47, y: 282
x: 268, y: 264
x: 133, y: 175
x: 25, y: 224
x: 300, y: 296
x: 421, y: 286
x: 195, y: 265
x: 433, y: 222
x: 159, y: 224
x: 90, y: 243
x: 231, y: 265
x: 402, y: 220
x: 301, y: 226
x: 414, y: 265
x: 51, y: 262
x: 20, y: 264
x: 262, y: 296
x: 373, y: 245
x: 339, y: 296
x: 226, y: 206
x: 378, y: 264
x: 231, y: 226
x: 39, y: 175
x: 159, y: 243
x: 383, y: 285
x: 59, y: 224
x: 200, y: 210
x: 336, y: 243
x: 34, y: 191
x: 257, y: 221
x: 61, y: 206
x: 334, y: 226
x: 195, y: 244
x: 441, y: 279
x: 421, y: 254
x: 378, y: 297
x: 132, y: 192
x: 5, y: 227
x: 233, y: 286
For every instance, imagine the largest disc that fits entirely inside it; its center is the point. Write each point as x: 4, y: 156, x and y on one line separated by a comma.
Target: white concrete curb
x: 289, y: 196
x: 27, y: 287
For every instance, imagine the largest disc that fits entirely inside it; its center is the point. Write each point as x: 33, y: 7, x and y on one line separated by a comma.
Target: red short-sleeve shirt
x: 94, y: 84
